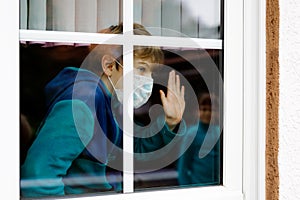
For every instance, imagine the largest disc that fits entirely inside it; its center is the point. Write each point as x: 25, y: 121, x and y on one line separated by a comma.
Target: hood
x: 68, y: 80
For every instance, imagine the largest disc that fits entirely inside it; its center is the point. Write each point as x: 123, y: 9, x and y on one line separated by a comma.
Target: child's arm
x: 63, y: 136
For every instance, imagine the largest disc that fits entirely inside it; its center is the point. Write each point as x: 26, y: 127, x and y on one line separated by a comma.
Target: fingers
x: 177, y: 84
x: 171, y: 81
x: 163, y: 97
x: 174, y: 84
x: 173, y: 101
x: 182, y: 92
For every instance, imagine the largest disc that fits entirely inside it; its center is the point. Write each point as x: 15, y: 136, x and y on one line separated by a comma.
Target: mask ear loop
x: 111, y: 83
x: 119, y: 63
x: 110, y: 78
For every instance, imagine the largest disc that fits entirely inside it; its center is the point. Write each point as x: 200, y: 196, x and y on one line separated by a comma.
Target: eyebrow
x: 145, y: 63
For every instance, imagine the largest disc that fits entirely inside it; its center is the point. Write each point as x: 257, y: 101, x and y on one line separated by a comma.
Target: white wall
x: 289, y: 112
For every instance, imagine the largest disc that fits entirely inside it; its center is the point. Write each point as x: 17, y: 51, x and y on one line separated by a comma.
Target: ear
x: 107, y: 63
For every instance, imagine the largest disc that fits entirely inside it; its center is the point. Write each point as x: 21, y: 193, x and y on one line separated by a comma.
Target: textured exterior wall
x: 289, y: 110
x: 272, y: 99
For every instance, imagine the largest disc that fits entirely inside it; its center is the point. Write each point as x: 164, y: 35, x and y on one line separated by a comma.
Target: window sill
x: 207, y: 193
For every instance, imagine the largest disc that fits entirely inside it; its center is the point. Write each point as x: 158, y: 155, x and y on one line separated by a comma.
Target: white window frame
x: 244, y: 101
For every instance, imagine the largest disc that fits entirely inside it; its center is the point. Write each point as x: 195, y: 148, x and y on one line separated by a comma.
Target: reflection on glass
x: 71, y: 142
x: 69, y: 15
x: 181, y: 18
x: 71, y: 117
x: 174, y: 148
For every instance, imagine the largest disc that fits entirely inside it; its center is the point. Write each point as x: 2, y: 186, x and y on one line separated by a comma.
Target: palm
x: 173, y: 102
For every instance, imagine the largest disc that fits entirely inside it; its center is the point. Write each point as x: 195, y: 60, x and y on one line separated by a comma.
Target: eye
x: 141, y: 69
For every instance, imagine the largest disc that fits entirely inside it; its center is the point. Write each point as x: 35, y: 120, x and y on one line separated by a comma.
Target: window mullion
x: 128, y: 120
x: 128, y: 175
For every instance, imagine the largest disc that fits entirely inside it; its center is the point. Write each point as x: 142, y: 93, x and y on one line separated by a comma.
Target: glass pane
x: 70, y: 142
x: 177, y: 131
x: 180, y: 18
x: 70, y: 15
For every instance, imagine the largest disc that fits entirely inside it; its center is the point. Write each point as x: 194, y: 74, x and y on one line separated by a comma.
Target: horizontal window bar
x: 75, y: 37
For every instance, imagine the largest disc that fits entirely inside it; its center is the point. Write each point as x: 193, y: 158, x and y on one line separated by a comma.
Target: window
x: 236, y: 85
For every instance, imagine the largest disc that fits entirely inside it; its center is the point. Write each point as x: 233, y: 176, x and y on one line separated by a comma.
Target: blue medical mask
x: 142, y: 90
x: 142, y: 87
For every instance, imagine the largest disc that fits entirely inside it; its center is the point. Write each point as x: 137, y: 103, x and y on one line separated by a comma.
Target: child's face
x: 142, y: 67
x: 205, y: 113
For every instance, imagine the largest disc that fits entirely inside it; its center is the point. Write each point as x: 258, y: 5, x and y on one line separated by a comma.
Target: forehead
x: 146, y: 62
x: 142, y: 60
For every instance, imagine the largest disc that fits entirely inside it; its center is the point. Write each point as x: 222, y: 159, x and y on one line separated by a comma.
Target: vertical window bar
x: 128, y: 179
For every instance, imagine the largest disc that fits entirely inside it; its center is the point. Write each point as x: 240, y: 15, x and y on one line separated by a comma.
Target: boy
x: 79, y: 137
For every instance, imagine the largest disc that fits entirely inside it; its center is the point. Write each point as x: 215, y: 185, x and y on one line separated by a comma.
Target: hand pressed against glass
x: 173, y: 102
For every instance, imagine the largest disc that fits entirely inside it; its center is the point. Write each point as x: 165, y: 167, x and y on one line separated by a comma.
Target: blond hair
x: 153, y: 53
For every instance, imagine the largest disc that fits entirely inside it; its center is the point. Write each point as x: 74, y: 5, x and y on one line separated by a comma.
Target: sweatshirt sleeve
x: 148, y: 139
x: 62, y: 137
